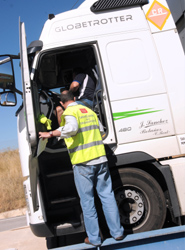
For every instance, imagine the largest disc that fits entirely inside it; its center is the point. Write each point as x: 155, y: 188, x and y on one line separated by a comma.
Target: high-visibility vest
x: 87, y: 144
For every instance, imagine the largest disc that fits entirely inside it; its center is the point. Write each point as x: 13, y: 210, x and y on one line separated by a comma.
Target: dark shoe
x: 86, y: 241
x: 119, y: 238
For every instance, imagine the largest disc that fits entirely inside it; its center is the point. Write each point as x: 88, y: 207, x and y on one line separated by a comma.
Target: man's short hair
x: 66, y: 96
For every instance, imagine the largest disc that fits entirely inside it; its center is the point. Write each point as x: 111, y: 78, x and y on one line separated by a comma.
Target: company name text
x: 94, y: 23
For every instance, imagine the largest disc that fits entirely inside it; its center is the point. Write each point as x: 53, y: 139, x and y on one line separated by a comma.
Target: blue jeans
x: 89, y: 102
x: 98, y: 176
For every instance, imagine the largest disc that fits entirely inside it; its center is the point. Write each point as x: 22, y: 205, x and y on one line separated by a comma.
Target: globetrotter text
x: 92, y: 23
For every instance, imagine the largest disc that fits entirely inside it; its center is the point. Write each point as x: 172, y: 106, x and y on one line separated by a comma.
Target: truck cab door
x: 29, y: 114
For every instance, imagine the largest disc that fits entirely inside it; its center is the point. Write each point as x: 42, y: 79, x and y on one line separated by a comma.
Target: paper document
x: 41, y: 146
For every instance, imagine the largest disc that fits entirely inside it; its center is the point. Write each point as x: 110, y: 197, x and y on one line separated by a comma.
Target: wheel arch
x: 161, y: 173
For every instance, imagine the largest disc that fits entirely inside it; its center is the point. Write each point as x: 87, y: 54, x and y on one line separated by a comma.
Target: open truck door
x: 29, y: 115
x: 26, y: 83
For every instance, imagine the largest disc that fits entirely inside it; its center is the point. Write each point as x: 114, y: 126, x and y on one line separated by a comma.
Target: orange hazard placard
x: 158, y: 14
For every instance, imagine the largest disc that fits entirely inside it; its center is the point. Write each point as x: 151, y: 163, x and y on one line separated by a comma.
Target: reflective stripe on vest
x: 87, y: 143
x: 91, y: 144
x: 88, y: 128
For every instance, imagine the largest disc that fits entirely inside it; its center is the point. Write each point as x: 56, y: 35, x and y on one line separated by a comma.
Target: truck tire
x: 140, y: 200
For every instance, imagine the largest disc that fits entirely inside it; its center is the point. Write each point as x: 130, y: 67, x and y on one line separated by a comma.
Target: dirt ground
x: 20, y: 238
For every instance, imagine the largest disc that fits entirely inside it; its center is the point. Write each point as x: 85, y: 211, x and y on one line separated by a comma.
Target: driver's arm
x: 74, y: 86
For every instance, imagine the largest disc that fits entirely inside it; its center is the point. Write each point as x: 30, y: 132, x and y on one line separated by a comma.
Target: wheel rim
x: 133, y: 205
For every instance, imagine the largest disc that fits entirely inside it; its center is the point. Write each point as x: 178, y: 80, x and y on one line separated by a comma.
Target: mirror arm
x: 17, y: 91
x: 15, y: 56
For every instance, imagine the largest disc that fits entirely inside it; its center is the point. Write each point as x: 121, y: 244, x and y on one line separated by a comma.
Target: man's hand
x: 74, y: 86
x: 44, y: 135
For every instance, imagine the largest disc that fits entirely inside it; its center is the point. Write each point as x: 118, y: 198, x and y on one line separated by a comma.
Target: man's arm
x: 74, y: 86
x: 70, y: 129
x: 50, y: 134
x: 60, y: 111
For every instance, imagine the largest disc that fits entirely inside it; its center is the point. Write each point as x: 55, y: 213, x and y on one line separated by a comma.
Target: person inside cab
x: 84, y: 86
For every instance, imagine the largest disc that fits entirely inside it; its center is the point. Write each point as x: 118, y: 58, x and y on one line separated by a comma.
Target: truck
x: 134, y: 52
x: 178, y: 13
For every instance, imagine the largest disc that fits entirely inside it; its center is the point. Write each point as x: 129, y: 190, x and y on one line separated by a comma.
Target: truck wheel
x: 140, y: 200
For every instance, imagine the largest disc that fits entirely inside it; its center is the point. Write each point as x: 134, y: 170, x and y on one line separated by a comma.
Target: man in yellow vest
x: 80, y: 129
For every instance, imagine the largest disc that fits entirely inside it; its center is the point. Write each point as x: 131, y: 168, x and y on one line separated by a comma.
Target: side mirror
x: 6, y: 73
x: 8, y: 98
x: 7, y: 80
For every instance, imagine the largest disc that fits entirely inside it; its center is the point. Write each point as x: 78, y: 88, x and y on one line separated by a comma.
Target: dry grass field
x: 11, y: 181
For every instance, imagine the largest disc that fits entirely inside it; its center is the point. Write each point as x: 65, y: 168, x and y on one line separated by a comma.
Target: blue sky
x: 33, y: 13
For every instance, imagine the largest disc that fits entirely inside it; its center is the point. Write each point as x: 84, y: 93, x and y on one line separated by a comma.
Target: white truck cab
x: 133, y: 52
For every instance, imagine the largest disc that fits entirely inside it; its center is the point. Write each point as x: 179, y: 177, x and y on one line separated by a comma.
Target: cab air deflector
x: 102, y: 5
x: 34, y: 46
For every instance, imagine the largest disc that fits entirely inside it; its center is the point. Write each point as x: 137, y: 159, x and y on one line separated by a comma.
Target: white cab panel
x: 157, y: 148
x: 132, y: 67
x: 142, y: 119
